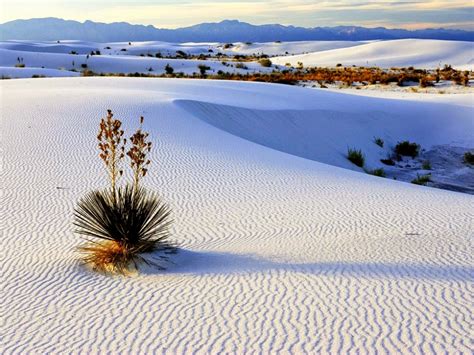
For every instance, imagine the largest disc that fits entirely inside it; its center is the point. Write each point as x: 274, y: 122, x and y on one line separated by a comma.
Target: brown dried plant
x: 112, y: 147
x: 138, y: 154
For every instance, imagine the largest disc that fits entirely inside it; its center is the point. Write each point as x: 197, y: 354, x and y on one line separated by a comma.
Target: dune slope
x: 419, y: 53
x: 279, y: 253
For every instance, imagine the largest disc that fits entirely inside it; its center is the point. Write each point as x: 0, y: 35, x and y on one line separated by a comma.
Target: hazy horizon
x: 301, y: 13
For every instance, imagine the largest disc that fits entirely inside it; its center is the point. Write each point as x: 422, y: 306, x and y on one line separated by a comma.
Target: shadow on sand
x: 205, y: 262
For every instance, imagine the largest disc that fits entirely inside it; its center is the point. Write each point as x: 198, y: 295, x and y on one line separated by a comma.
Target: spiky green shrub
x: 426, y: 165
x: 120, y: 228
x: 378, y: 172
x: 407, y: 148
x: 379, y: 141
x: 421, y: 179
x: 356, y: 156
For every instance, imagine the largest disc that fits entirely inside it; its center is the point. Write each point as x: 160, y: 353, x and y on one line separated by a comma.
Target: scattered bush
x: 426, y: 165
x: 169, y: 69
x: 265, y: 62
x: 84, y: 66
x: 125, y: 225
x: 356, y: 157
x: 407, y: 148
x: 469, y: 158
x: 181, y: 54
x: 425, y: 82
x: 388, y: 161
x: 19, y: 65
x: 34, y: 76
x: 203, y: 69
x: 421, y: 179
x: 379, y: 141
x: 122, y: 223
x: 241, y: 66
x: 378, y: 172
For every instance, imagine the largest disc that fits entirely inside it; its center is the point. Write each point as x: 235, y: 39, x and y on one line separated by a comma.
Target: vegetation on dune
x: 421, y: 179
x: 379, y: 141
x: 345, y: 76
x: 426, y: 165
x: 469, y: 158
x: 124, y: 221
x: 378, y: 172
x: 407, y: 148
x: 356, y: 156
x: 265, y: 62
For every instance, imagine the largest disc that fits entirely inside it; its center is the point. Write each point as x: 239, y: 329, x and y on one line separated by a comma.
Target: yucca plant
x: 120, y: 229
x: 121, y: 224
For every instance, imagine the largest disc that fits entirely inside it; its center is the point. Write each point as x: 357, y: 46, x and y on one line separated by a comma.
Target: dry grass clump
x: 380, y: 172
x: 356, y: 156
x: 407, y: 148
x: 379, y: 141
x: 421, y: 179
x: 122, y: 222
x: 265, y: 62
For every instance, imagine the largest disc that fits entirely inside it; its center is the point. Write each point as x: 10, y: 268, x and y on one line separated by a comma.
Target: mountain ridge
x: 224, y: 31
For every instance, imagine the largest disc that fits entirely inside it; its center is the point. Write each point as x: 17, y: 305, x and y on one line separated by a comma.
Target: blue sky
x: 411, y: 14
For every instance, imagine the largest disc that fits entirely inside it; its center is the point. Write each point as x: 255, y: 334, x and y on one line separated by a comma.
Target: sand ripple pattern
x: 280, y: 254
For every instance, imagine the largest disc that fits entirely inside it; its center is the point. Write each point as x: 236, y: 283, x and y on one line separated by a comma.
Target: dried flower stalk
x: 138, y: 154
x: 112, y: 147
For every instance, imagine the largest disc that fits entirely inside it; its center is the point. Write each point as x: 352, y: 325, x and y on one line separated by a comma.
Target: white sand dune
x: 280, y: 254
x: 113, y: 63
x: 57, y: 56
x: 285, y: 48
x: 419, y: 53
x: 170, y: 49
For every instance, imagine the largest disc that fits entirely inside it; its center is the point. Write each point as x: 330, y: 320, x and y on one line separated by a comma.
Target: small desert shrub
x: 121, y: 223
x: 407, y: 148
x: 424, y: 82
x: 169, y: 69
x: 241, y: 66
x: 379, y: 141
x: 84, y: 66
x: 421, y: 179
x: 124, y: 226
x: 469, y: 158
x: 34, y: 76
x: 355, y: 156
x: 426, y: 165
x: 19, y: 65
x: 203, y: 69
x: 265, y: 62
x: 388, y: 161
x: 378, y: 172
x: 87, y: 72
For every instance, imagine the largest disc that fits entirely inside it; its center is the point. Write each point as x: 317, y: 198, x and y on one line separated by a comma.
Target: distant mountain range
x: 225, y: 31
